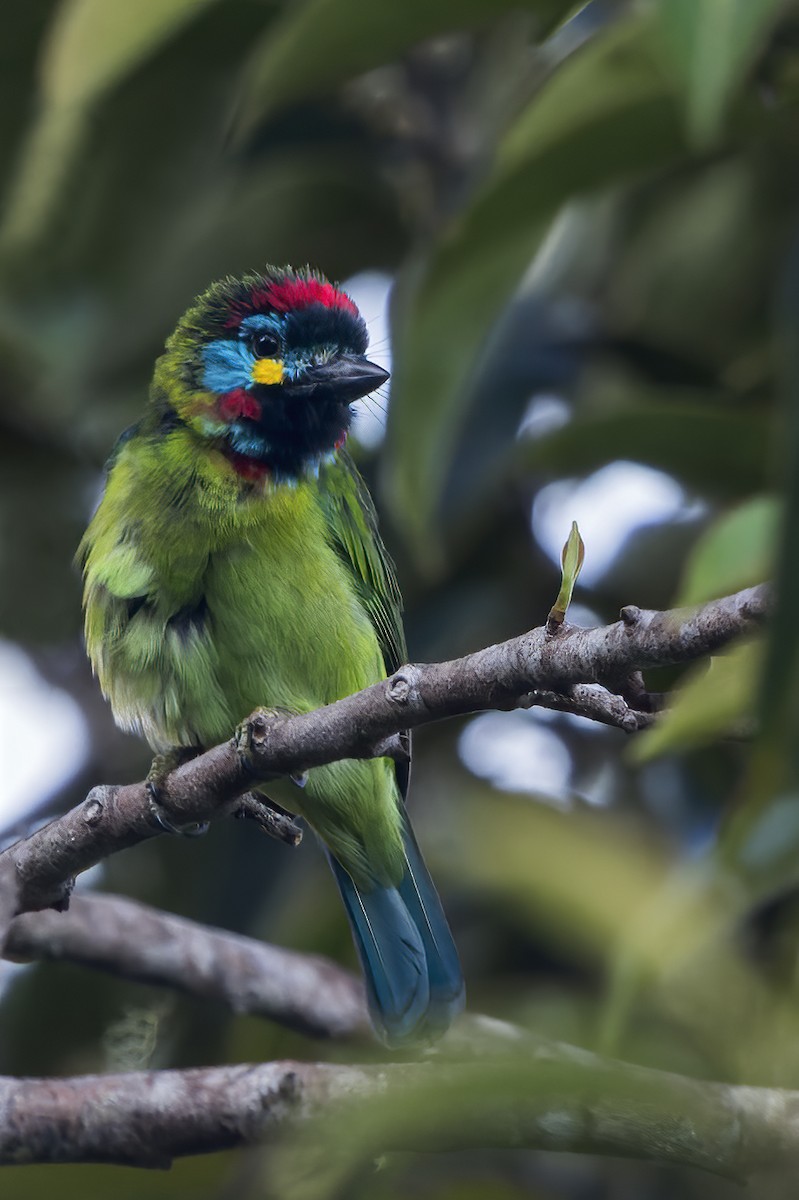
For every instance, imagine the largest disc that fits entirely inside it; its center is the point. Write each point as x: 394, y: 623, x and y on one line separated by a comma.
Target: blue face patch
x: 228, y: 365
x: 229, y: 361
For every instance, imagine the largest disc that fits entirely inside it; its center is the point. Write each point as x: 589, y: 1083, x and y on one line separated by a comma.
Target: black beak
x: 344, y: 379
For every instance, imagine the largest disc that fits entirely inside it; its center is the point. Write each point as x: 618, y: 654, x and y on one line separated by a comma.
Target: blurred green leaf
x: 735, y: 552
x: 709, y: 704
x: 91, y: 46
x: 771, y: 790
x: 708, y: 447
x: 678, y: 953
x: 776, y: 761
x: 599, y: 888
x: 322, y: 43
x: 202, y: 1178
x: 574, y: 877
x: 756, y: 857
x: 445, y: 308
x: 693, y: 275
x: 562, y: 1097
x: 711, y: 45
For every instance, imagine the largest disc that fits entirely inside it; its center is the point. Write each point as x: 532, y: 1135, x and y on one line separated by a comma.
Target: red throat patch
x: 238, y: 403
x: 247, y: 468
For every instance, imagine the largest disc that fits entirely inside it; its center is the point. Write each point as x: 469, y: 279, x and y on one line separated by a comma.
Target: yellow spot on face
x: 267, y: 370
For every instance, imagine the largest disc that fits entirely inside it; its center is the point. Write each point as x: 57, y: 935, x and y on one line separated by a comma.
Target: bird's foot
x: 251, y: 731
x: 161, y: 768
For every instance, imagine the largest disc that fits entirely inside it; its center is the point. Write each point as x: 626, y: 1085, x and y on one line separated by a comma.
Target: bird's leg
x: 161, y: 768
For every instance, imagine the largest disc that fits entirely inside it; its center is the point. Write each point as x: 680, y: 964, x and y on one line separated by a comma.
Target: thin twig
x: 594, y: 702
x: 269, y: 818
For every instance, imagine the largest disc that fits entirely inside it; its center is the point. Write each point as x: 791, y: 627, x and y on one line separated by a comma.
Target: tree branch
x: 539, y: 1095
x: 113, y: 818
x: 304, y: 991
x: 510, y: 1089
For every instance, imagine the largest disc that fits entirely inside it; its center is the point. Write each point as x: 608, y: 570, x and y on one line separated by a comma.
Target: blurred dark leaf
x: 446, y: 307
x: 91, y: 46
x: 39, y: 533
x: 761, y: 843
x: 708, y: 447
x: 694, y: 274
x: 322, y: 43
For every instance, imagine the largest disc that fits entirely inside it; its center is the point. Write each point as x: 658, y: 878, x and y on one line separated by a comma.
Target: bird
x: 234, y: 562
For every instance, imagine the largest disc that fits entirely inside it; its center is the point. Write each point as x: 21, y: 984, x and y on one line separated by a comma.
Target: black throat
x: 293, y: 433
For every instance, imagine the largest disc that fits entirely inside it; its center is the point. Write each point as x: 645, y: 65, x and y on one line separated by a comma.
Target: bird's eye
x: 264, y: 344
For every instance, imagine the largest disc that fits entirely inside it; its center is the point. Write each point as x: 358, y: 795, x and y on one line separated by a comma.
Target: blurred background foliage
x: 587, y: 219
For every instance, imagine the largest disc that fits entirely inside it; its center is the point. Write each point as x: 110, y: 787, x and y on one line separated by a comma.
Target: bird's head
x: 265, y: 369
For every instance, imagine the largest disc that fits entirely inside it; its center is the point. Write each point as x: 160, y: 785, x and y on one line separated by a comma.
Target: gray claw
x: 193, y: 829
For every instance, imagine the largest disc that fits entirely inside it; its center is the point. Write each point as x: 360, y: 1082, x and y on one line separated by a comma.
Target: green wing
x: 352, y: 522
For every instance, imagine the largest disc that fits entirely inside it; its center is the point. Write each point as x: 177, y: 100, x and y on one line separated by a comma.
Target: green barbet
x: 234, y: 562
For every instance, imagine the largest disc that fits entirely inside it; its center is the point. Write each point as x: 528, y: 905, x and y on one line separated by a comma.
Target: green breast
x: 205, y: 601
x: 283, y: 614
x: 287, y: 630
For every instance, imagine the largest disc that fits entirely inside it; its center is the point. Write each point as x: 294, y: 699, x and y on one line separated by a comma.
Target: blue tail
x: 413, y: 977
x: 418, y: 892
